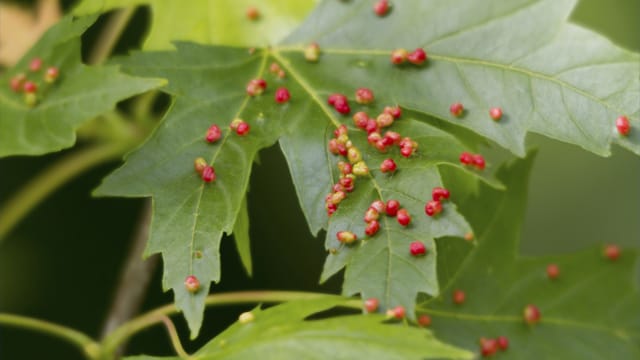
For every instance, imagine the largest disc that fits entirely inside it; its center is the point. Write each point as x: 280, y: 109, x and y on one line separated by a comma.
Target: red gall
x: 503, y: 342
x: 252, y: 13
x: 531, y: 314
x: 458, y: 297
x: 342, y: 106
x: 372, y: 126
x: 488, y: 347
x: 256, y: 87
x: 17, y: 82
x: 371, y: 214
x: 553, y: 271
x: 417, y: 56
x: 433, y: 208
x: 397, y: 312
x: 192, y: 284
x: 402, y: 216
x: 35, y: 64
x: 439, y: 193
x: 392, y: 137
x: 213, y: 134
x: 30, y: 87
x: 399, y: 56
x: 388, y: 165
x: 243, y: 129
x: 466, y: 158
x: 378, y: 205
x: 345, y: 168
x: 51, y: 74
x: 372, y: 228
x: 456, y: 109
x: 394, y: 111
x: 274, y: 68
x: 623, y: 126
x: 392, y: 207
x: 331, y: 100
x: 479, y: 162
x: 360, y: 119
x: 417, y: 248
x: 364, y: 96
x: 384, y: 120
x: 208, y: 174
x: 612, y: 252
x: 282, y: 95
x: 381, y: 7
x: 495, y: 113
x: 371, y: 305
x: 424, y: 320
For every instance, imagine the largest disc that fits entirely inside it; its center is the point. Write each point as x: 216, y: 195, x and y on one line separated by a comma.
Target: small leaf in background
x: 591, y: 310
x: 220, y: 22
x: 79, y: 93
x: 283, y: 332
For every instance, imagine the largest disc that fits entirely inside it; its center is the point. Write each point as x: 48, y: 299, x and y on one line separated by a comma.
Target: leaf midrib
x: 216, y: 153
x: 471, y: 61
x: 518, y: 319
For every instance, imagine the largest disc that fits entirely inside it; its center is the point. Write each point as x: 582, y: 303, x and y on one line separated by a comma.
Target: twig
x: 52, y: 178
x: 110, y: 35
x: 88, y: 347
x: 173, y: 335
x: 134, y: 279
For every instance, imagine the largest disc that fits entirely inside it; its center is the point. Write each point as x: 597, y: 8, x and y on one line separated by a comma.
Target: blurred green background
x: 62, y: 262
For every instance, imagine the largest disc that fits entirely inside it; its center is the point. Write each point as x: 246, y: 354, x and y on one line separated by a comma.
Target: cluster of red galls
x: 255, y: 87
x: 392, y: 208
x: 488, y: 347
x: 22, y: 83
x: 341, y: 145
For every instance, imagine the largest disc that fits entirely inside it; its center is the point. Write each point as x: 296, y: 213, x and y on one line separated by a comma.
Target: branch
x: 120, y: 335
x: 52, y: 178
x: 110, y: 35
x: 89, y: 348
x: 135, y: 277
x: 173, y: 335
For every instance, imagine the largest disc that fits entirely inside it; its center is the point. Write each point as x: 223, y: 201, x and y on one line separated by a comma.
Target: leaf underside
x: 519, y: 55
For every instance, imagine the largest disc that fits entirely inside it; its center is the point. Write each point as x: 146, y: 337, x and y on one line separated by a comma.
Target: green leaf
x: 241, y: 236
x: 548, y: 76
x: 221, y: 22
x: 476, y: 58
x: 589, y: 312
x: 382, y: 266
x: 285, y: 332
x: 79, y: 94
x: 190, y: 215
